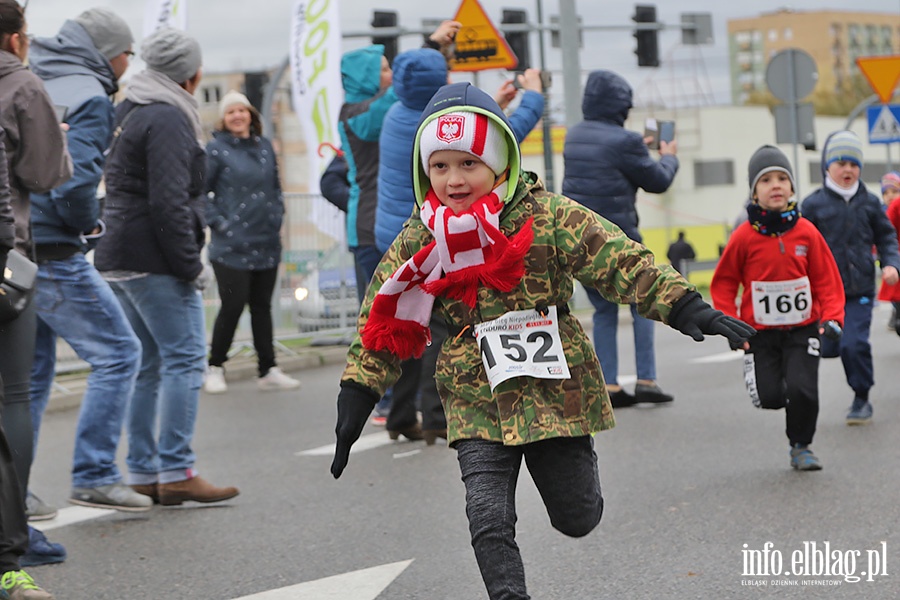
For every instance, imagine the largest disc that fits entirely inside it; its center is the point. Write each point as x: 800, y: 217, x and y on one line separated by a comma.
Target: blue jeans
x: 167, y: 316
x: 606, y: 325
x: 73, y: 302
x: 854, y: 347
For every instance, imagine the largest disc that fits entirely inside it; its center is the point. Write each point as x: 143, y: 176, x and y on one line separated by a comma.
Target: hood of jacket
x: 607, y: 97
x: 361, y: 73
x: 418, y: 75
x: 465, y: 96
x: 71, y: 52
x: 9, y: 63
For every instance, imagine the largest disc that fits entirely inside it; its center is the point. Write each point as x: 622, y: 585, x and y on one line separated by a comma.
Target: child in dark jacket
x: 790, y: 284
x: 495, y: 255
x: 852, y: 220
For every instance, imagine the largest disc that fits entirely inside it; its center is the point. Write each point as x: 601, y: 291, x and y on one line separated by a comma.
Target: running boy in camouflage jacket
x: 497, y: 256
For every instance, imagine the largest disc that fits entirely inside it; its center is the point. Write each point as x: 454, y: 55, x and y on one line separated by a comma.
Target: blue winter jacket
x: 246, y: 207
x: 80, y: 79
x: 605, y: 163
x: 851, y: 229
x: 361, y: 118
x: 418, y: 74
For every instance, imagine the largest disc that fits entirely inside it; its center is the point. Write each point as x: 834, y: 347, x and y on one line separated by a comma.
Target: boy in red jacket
x: 792, y: 292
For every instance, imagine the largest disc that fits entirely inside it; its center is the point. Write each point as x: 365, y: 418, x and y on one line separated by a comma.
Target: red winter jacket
x: 800, y: 252
x: 891, y: 293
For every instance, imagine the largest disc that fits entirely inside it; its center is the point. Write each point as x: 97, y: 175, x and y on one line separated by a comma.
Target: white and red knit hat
x: 470, y: 132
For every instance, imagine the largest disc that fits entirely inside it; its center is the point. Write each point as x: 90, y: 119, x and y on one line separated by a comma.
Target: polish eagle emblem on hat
x: 450, y: 128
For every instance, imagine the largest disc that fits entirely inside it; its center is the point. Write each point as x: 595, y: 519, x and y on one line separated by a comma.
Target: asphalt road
x: 692, y: 490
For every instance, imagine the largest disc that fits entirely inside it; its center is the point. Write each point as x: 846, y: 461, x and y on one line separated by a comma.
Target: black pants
x: 13, y: 523
x: 403, y: 396
x: 237, y: 289
x: 565, y: 473
x: 781, y: 370
x: 16, y: 357
x: 429, y: 400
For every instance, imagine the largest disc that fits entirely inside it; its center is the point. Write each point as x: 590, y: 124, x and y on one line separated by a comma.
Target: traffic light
x: 518, y: 40
x: 386, y: 18
x: 647, y: 39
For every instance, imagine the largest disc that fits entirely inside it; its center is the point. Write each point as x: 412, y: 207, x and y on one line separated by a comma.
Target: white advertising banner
x: 164, y: 13
x: 317, y: 93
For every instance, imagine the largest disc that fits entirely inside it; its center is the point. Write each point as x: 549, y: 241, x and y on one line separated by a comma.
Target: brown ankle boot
x: 149, y: 489
x: 196, y: 489
x: 412, y: 433
x: 431, y: 435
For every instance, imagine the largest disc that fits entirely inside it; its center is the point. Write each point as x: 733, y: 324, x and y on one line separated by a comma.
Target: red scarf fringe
x: 405, y: 339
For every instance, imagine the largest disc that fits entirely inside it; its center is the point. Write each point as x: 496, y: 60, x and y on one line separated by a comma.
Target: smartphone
x: 666, y: 131
x: 658, y: 131
x: 61, y: 112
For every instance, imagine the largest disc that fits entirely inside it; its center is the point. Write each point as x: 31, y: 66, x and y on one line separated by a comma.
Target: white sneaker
x: 215, y: 381
x: 275, y: 379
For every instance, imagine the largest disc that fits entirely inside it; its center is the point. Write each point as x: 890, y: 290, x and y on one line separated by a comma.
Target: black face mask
x: 768, y: 222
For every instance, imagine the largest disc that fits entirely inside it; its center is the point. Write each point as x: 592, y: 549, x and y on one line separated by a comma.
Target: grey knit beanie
x: 109, y: 32
x: 765, y: 160
x: 843, y: 145
x: 173, y: 53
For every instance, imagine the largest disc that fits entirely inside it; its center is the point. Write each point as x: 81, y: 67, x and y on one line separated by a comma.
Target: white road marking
x: 71, y: 515
x: 719, y: 358
x: 366, y: 584
x: 365, y: 442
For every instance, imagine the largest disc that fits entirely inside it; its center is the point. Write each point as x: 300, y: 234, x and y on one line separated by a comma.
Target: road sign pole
x: 568, y: 28
x: 545, y: 118
x: 792, y: 93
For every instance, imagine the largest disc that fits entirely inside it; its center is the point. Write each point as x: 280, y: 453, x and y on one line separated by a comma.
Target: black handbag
x: 17, y: 287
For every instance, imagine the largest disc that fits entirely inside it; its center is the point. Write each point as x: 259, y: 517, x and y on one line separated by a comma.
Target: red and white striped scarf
x: 468, y: 250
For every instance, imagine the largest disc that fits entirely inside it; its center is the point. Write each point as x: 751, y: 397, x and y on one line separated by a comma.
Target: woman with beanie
x: 244, y: 210
x: 151, y: 257
x: 791, y: 293
x: 852, y: 221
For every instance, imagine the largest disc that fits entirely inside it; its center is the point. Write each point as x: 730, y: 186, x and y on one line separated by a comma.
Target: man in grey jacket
x: 80, y: 68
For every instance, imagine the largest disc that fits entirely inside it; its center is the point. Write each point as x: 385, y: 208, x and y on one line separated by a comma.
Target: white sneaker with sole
x: 275, y: 379
x: 215, y: 381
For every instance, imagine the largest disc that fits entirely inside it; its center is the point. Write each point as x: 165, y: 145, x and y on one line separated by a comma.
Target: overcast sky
x: 253, y: 34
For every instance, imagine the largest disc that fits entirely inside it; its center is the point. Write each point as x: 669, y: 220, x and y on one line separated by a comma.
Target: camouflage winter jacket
x: 570, y: 242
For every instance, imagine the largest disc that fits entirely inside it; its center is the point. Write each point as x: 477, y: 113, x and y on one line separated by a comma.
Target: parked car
x: 326, y: 295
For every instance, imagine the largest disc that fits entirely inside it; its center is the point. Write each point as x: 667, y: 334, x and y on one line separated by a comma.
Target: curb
x: 68, y: 389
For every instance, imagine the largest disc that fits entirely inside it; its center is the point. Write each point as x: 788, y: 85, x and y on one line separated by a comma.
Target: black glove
x: 831, y: 330
x: 694, y: 317
x: 354, y: 404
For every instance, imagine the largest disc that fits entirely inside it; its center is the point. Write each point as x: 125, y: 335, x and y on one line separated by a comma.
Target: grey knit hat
x: 173, y: 53
x: 765, y: 160
x: 843, y: 145
x: 109, y: 32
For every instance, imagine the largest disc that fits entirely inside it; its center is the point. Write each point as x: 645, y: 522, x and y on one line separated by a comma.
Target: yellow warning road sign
x: 883, y: 72
x: 479, y: 45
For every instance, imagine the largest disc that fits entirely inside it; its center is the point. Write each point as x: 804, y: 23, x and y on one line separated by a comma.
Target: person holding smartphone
x: 605, y: 164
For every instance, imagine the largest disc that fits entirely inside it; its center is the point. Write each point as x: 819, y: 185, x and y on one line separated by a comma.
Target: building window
x: 788, y: 33
x: 212, y: 94
x: 773, y: 35
x: 713, y: 172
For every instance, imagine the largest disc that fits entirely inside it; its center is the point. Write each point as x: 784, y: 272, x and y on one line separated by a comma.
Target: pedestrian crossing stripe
x: 886, y: 127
